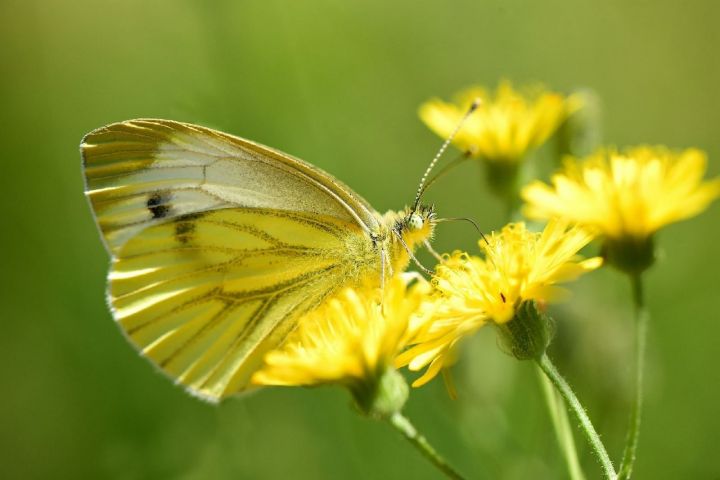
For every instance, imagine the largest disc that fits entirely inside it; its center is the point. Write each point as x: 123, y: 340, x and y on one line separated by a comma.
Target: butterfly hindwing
x: 205, y: 304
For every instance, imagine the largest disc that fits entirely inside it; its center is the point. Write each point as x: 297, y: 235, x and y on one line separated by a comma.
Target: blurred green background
x: 338, y: 83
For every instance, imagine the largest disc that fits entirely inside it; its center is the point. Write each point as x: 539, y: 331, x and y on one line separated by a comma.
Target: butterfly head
x: 416, y: 224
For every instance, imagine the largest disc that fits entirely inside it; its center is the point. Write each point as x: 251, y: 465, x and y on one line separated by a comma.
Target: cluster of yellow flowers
x: 622, y: 197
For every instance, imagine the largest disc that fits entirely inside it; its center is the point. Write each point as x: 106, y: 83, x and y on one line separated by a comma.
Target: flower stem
x: 561, y: 425
x: 641, y: 325
x: 580, y: 414
x: 403, y: 425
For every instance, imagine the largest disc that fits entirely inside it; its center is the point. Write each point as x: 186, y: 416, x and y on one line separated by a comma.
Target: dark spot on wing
x: 184, y: 231
x: 159, y: 204
x: 185, y: 227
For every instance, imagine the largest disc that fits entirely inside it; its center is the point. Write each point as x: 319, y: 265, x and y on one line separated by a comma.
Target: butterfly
x: 219, y: 245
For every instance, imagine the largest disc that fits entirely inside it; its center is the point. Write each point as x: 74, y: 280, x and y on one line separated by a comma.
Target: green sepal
x: 502, y: 176
x: 527, y: 335
x: 382, y: 396
x: 630, y: 255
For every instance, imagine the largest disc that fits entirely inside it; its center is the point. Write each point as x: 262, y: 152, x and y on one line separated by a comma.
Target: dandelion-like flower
x: 519, y: 266
x: 351, y: 340
x: 626, y: 196
x: 505, y: 126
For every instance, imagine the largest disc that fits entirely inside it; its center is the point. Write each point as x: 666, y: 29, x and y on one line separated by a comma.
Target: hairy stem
x: 561, y: 424
x: 403, y: 425
x: 580, y: 414
x: 641, y: 325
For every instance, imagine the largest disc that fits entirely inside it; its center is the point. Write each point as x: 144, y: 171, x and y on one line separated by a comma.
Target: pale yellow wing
x: 219, y: 245
x: 205, y: 296
x: 141, y: 172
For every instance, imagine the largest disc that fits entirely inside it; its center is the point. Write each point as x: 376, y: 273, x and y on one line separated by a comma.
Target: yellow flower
x: 626, y: 197
x: 352, y: 339
x: 628, y: 194
x: 519, y: 266
x: 505, y: 126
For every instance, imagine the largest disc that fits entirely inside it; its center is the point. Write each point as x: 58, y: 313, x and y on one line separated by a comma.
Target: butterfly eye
x: 415, y: 221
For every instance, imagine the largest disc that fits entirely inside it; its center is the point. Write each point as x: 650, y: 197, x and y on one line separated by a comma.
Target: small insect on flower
x: 518, y: 266
x: 506, y: 125
x: 351, y: 340
x: 626, y: 197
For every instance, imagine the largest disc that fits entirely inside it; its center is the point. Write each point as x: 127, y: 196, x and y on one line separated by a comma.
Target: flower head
x: 628, y: 194
x: 352, y: 340
x: 626, y: 197
x: 519, y: 266
x: 505, y: 126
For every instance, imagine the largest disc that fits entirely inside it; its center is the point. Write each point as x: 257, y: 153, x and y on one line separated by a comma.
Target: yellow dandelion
x: 626, y: 196
x: 351, y: 340
x: 629, y: 194
x: 506, y: 125
x: 518, y: 266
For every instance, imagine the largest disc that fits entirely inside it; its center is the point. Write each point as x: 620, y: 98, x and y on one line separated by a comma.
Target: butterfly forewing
x: 142, y: 172
x: 219, y: 245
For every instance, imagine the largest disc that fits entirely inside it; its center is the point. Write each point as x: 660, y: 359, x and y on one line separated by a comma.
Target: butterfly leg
x: 384, y: 263
x: 432, y: 251
x: 411, y: 255
x: 382, y: 272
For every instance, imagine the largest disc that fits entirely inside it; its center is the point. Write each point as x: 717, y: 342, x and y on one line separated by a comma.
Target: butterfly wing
x: 142, y: 172
x: 219, y: 245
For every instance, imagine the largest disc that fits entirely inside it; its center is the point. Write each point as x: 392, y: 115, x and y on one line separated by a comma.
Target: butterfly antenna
x: 445, y: 170
x: 464, y: 219
x: 475, y: 104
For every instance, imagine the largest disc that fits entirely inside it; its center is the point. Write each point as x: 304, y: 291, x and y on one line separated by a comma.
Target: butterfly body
x: 220, y: 245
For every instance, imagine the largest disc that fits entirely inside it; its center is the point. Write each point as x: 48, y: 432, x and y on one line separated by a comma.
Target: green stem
x: 561, y: 425
x: 580, y: 414
x: 403, y: 425
x: 641, y: 325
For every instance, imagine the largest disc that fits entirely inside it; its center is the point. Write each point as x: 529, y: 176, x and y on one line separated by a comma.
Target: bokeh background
x: 338, y: 83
